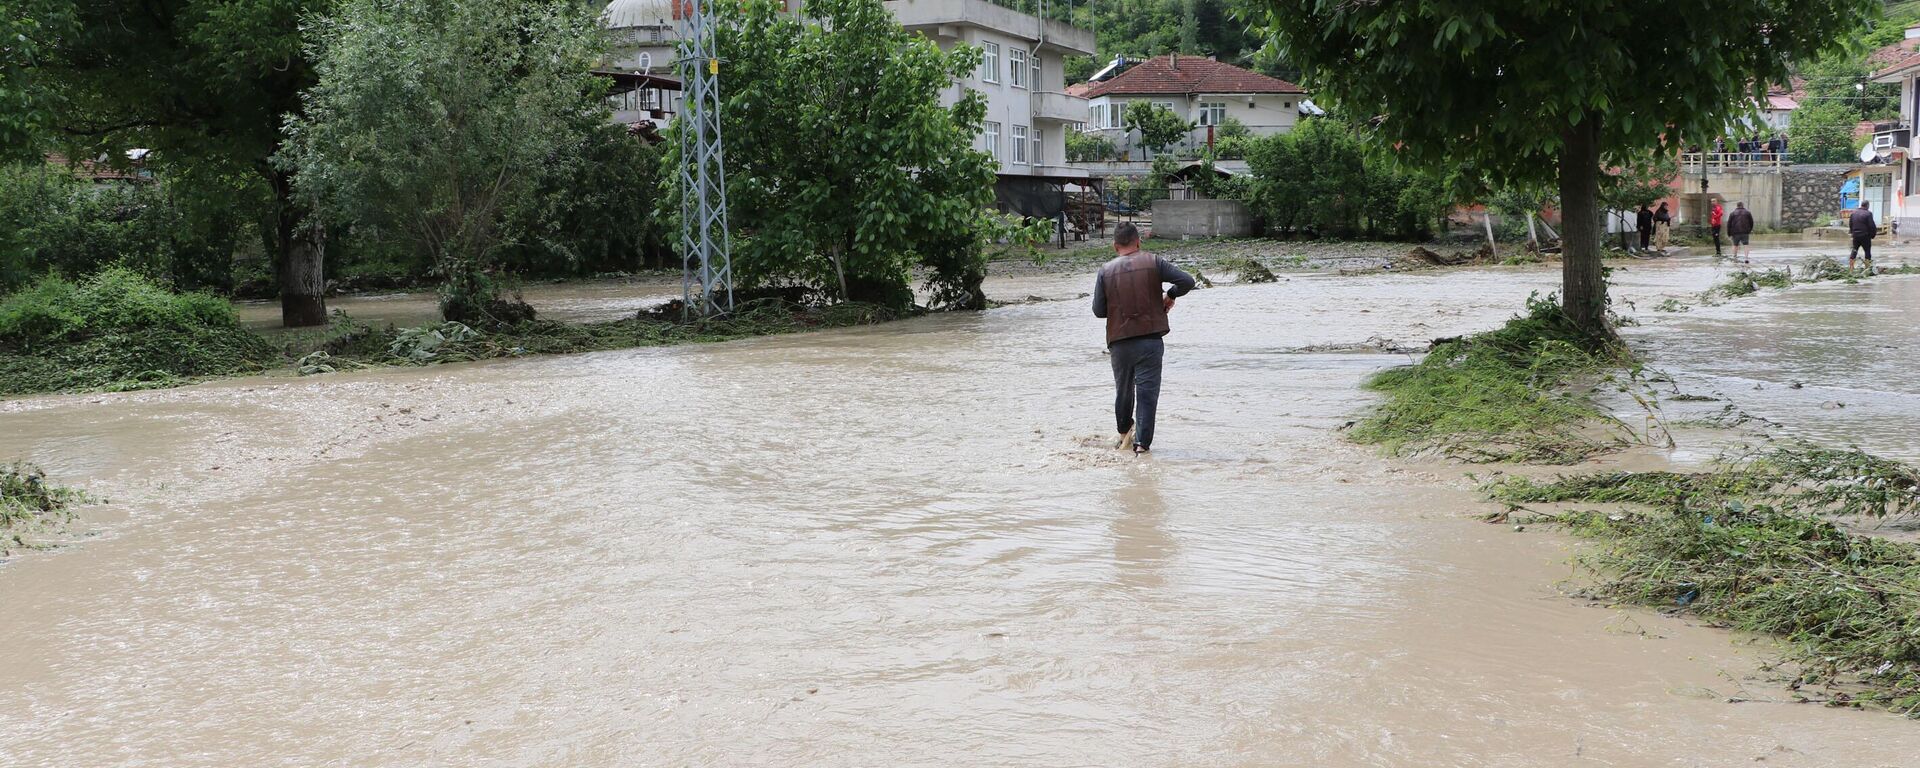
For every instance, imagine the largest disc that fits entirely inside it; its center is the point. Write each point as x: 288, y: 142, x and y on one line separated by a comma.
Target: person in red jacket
x: 1713, y: 223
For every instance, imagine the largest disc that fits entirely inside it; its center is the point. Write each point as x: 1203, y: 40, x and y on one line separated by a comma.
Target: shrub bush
x: 119, y: 330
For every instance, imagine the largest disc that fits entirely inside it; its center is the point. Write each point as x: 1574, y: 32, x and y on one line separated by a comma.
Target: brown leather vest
x: 1135, y: 307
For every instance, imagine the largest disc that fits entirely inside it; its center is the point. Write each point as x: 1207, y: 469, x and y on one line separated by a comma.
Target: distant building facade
x: 1204, y: 92
x: 1021, y: 76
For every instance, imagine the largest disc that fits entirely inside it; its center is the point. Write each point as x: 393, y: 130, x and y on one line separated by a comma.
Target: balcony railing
x: 1734, y: 162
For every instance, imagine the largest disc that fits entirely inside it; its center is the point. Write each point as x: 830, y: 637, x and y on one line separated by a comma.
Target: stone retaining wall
x: 1810, y: 195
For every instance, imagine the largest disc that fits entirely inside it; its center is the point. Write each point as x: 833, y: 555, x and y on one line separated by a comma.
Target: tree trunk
x: 299, y: 251
x: 1583, y: 290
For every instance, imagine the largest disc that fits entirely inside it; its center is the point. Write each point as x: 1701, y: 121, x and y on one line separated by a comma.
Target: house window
x: 1036, y: 69
x: 1038, y: 135
x: 993, y: 139
x: 990, y: 62
x: 1017, y: 66
x: 1098, y: 114
x: 1116, y: 114
x: 1213, y: 113
x: 1019, y: 145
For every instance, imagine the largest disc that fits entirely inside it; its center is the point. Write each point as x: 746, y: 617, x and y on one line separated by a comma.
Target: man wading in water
x: 1127, y: 293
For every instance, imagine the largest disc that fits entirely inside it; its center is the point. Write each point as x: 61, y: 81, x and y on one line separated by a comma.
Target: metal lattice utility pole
x: 705, y: 246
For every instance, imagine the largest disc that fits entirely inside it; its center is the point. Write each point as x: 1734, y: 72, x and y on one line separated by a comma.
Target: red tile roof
x: 1079, y: 89
x: 1176, y: 74
x: 1901, y: 64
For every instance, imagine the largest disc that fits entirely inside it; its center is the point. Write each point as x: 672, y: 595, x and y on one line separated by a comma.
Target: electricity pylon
x: 705, y: 246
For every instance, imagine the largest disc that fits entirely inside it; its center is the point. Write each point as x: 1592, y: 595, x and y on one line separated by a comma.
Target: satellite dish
x: 1867, y: 154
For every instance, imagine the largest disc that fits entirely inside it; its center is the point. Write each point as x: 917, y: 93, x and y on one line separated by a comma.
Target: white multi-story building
x: 1204, y: 92
x: 1887, y: 174
x: 1028, y: 108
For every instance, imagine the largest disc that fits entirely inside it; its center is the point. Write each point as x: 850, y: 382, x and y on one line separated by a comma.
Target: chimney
x: 1173, y: 61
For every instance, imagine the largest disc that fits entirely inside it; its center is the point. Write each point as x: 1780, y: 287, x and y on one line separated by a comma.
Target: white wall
x: 1263, y: 114
x: 1011, y: 105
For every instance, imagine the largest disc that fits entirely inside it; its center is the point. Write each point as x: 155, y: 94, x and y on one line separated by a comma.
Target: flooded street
x: 899, y: 545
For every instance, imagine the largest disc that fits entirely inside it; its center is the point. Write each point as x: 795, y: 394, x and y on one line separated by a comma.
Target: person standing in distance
x: 1861, y: 225
x: 1127, y: 295
x: 1662, y: 228
x: 1740, y: 230
x: 1643, y: 223
x: 1714, y: 218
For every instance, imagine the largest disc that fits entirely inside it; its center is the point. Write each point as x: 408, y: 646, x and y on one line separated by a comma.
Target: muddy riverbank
x: 886, y: 544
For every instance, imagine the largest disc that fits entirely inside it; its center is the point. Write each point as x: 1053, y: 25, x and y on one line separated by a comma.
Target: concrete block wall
x: 1181, y: 219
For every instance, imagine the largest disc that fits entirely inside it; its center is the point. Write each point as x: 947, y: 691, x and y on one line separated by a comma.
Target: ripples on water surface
x: 896, y: 545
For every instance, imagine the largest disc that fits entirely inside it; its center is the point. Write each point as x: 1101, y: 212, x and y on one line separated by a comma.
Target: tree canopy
x: 204, y: 84
x: 431, y: 119
x: 1548, y: 92
x: 844, y: 168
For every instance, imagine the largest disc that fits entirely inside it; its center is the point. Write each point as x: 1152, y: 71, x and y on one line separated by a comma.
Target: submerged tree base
x: 1753, y: 546
x: 1513, y: 394
x: 351, y: 344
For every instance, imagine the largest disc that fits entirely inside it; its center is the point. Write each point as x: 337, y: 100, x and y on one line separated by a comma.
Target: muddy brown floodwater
x: 898, y: 545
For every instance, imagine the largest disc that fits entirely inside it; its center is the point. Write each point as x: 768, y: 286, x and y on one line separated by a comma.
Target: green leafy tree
x: 29, y: 32
x: 1822, y: 132
x: 204, y: 84
x: 1312, y: 179
x: 433, y: 118
x: 844, y: 169
x: 1159, y: 127
x: 1548, y: 92
x: 1087, y: 147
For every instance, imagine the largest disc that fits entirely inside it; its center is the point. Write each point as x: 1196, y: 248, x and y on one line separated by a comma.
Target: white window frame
x: 991, y: 132
x: 1213, y: 113
x: 1034, y: 60
x: 1116, y: 114
x: 1039, y: 142
x: 990, y: 62
x: 1017, y: 67
x: 1019, y: 142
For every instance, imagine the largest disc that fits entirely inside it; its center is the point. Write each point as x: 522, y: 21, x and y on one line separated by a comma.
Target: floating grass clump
x: 29, y: 504
x: 1753, y: 546
x: 1520, y: 393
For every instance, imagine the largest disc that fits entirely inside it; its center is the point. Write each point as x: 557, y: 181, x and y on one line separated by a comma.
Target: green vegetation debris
x: 29, y: 504
x: 1751, y: 546
x: 1509, y: 395
x: 348, y: 342
x: 118, y: 331
x: 1252, y: 271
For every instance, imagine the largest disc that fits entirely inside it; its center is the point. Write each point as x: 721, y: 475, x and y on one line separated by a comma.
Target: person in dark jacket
x: 1861, y: 225
x: 1643, y: 221
x: 1127, y: 294
x: 1662, y: 227
x: 1740, y: 229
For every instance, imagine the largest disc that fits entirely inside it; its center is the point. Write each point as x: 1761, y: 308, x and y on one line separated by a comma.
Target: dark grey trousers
x: 1136, y: 381
x: 1861, y: 244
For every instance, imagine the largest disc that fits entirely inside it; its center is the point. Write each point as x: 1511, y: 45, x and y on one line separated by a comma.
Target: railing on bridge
x: 1736, y: 162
